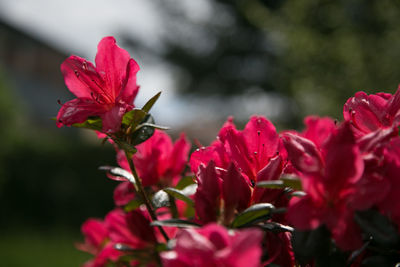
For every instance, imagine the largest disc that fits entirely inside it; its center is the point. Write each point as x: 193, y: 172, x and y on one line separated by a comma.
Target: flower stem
x: 143, y: 194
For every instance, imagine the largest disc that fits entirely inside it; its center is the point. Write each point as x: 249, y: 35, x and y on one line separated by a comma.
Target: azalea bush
x: 326, y: 196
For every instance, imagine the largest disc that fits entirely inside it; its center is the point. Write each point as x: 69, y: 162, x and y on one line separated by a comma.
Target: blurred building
x: 31, y: 66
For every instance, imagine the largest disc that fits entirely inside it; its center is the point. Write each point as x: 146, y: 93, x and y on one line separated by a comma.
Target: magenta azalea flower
x: 158, y: 160
x: 212, y: 245
x: 330, y: 177
x: 106, y: 90
x: 368, y: 113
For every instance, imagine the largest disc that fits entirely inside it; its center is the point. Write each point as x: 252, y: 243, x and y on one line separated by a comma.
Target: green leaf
x: 292, y: 182
x: 376, y: 225
x: 160, y: 199
x: 118, y: 173
x: 276, y: 227
x: 175, y: 223
x: 155, y: 126
x: 253, y: 213
x: 272, y: 184
x: 182, y: 194
x: 93, y: 123
x: 142, y: 133
x: 287, y: 181
x: 125, y: 146
x: 185, y: 181
x: 132, y: 205
x: 133, y: 117
x: 146, y: 108
x: 308, y: 245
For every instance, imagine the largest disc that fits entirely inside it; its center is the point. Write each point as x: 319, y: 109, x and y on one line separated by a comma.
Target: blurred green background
x: 312, y: 55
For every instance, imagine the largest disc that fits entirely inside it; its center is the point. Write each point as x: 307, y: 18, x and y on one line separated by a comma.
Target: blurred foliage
x: 48, y: 178
x: 318, y: 52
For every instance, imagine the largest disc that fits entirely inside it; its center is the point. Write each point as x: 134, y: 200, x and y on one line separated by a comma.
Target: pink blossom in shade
x: 214, y: 246
x: 97, y: 243
x: 279, y: 249
x: 236, y: 193
x: 124, y: 193
x: 131, y: 229
x: 106, y: 90
x: 250, y: 150
x: 390, y: 205
x: 158, y: 160
x: 368, y: 113
x: 208, y: 195
x: 318, y: 129
x: 330, y: 189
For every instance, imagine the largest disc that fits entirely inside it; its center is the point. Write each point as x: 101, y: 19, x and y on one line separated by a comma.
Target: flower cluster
x: 326, y: 196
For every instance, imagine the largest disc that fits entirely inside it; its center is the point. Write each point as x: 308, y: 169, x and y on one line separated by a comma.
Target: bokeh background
x: 211, y: 58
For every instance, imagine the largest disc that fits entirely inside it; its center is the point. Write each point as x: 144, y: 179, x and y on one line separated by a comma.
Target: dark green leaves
x: 93, y: 123
x: 175, y: 223
x: 378, y: 227
x: 283, y: 182
x: 163, y: 197
x: 146, y: 108
x: 182, y: 194
x: 253, y: 213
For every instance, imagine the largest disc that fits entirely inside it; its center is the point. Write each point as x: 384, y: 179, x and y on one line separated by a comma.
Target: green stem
x: 143, y: 194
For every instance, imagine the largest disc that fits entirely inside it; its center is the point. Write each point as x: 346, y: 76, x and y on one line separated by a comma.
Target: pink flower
x: 330, y: 176
x: 213, y: 246
x: 250, y: 150
x: 368, y: 113
x: 106, y: 90
x: 158, y: 160
x: 97, y: 243
x: 235, y: 161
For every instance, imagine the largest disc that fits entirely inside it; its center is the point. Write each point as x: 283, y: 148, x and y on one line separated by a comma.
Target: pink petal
x: 261, y: 139
x: 303, y: 153
x: 130, y: 88
x: 81, y: 77
x: 343, y: 161
x: 272, y: 171
x: 304, y: 213
x: 217, y: 234
x: 112, y: 118
x: 124, y: 193
x: 318, y: 129
x: 245, y: 249
x: 111, y: 63
x: 179, y: 156
x: 152, y: 157
x: 77, y: 111
x: 119, y: 231
x: 235, y: 191
x: 207, y: 196
x: 140, y: 227
x: 95, y: 233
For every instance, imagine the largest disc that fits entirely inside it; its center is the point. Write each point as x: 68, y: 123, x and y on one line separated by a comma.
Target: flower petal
x: 81, y: 77
x: 111, y: 63
x: 130, y: 88
x: 77, y: 111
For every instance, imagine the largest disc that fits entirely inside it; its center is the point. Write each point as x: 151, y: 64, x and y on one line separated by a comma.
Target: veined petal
x: 235, y: 191
x: 303, y: 153
x: 111, y: 63
x: 112, y: 118
x: 130, y: 88
x: 81, y: 77
x: 261, y: 139
x: 77, y: 111
x: 343, y: 161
